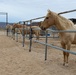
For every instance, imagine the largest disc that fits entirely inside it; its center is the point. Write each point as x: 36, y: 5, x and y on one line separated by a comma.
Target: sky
x: 22, y: 10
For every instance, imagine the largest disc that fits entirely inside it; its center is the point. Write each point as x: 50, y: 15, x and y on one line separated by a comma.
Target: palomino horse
x: 27, y: 30
x: 62, y: 24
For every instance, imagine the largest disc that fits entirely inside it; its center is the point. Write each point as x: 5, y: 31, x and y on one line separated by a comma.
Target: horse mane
x: 66, y: 22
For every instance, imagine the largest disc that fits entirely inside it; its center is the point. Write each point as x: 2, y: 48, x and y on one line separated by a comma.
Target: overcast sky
x: 19, y: 10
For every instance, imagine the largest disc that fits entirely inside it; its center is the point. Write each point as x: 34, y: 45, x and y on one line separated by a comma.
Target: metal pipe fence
x: 56, y: 47
x: 46, y: 43
x: 46, y: 39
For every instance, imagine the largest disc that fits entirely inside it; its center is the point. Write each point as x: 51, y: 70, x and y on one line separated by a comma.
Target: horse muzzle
x: 43, y: 28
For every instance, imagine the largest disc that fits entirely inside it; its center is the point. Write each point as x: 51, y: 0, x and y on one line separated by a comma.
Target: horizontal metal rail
x: 55, y: 31
x: 45, y: 37
x: 67, y: 12
x: 33, y: 19
x: 3, y: 13
x: 56, y: 47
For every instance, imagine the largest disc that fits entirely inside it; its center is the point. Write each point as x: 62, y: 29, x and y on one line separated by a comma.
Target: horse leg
x: 64, y: 53
x: 53, y: 35
x: 68, y: 48
x: 13, y: 36
x: 37, y: 36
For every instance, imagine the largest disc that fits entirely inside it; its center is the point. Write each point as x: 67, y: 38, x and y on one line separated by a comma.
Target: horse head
x: 15, y: 25
x: 48, y: 21
x: 39, y: 23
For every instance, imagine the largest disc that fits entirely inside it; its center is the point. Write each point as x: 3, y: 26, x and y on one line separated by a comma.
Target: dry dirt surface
x: 17, y: 60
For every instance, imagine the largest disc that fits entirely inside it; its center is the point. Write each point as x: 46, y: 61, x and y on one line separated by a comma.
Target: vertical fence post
x: 17, y: 35
x: 26, y: 29
x: 13, y: 34
x: 30, y: 37
x: 7, y: 22
x: 46, y: 40
x: 23, y: 34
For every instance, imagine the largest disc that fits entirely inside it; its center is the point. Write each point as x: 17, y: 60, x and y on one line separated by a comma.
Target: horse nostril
x: 44, y: 29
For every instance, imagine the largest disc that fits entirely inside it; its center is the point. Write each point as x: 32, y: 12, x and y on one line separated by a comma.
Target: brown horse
x: 61, y: 23
x: 27, y: 30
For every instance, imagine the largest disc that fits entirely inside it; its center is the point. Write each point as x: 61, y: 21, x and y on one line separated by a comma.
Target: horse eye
x: 47, y: 17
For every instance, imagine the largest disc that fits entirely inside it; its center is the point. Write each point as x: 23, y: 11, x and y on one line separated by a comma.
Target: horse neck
x: 62, y: 24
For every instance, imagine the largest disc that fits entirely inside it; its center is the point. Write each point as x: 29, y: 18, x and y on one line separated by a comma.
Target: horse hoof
x: 65, y: 64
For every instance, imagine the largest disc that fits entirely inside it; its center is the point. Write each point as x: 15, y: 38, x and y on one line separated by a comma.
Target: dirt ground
x: 17, y: 60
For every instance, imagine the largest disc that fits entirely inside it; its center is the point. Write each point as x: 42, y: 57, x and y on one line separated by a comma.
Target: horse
x: 27, y: 29
x: 61, y: 23
x: 73, y: 20
x: 9, y: 28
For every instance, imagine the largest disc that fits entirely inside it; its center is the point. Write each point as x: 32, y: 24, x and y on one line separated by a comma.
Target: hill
x: 3, y: 24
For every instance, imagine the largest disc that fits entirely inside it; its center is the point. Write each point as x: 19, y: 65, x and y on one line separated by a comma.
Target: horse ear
x: 48, y: 10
